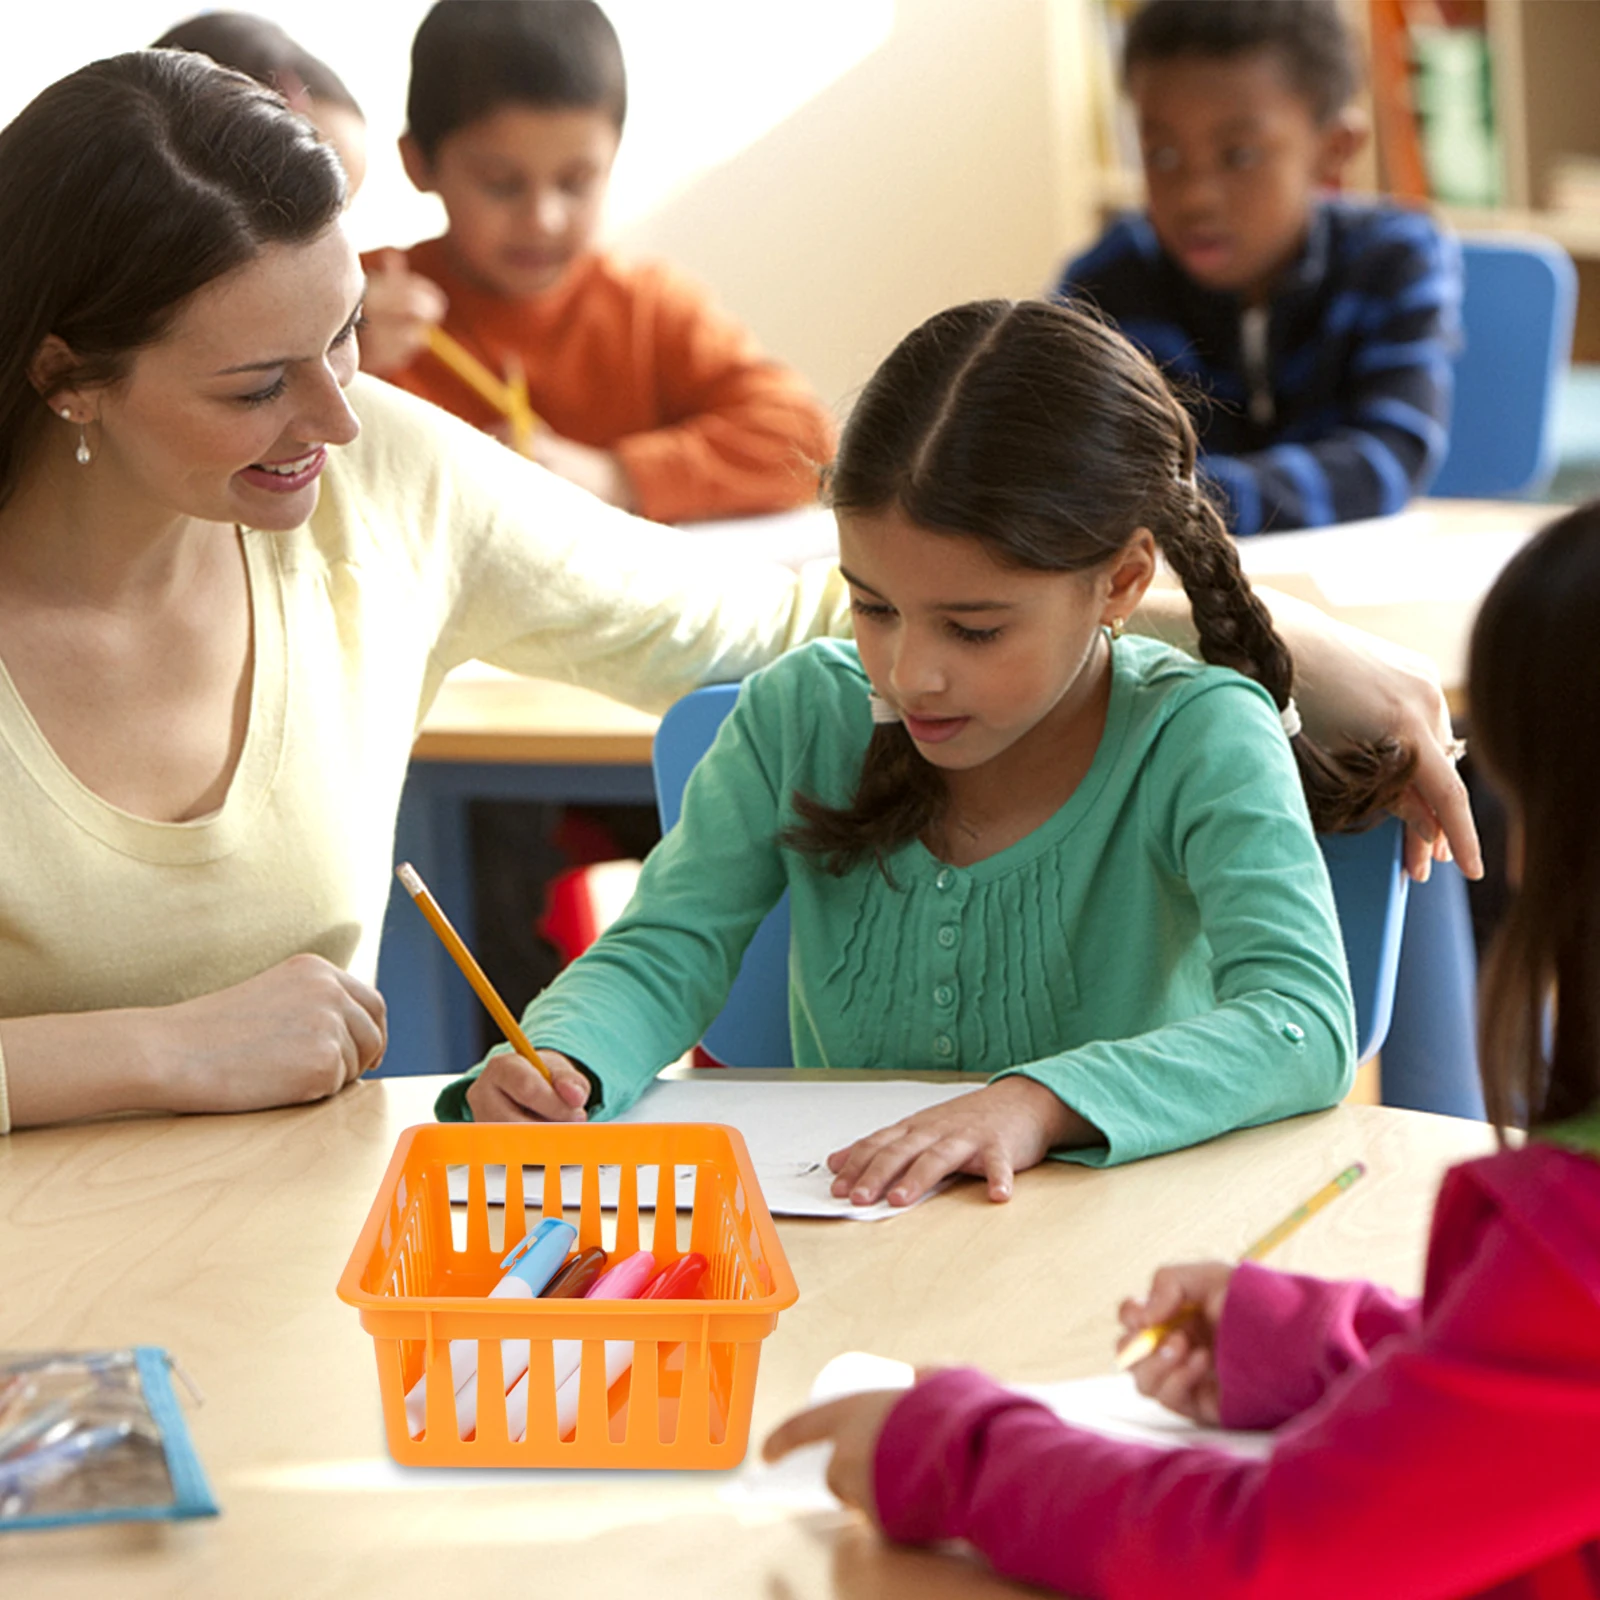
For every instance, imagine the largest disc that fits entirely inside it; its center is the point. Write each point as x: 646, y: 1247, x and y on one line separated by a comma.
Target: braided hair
x: 1038, y: 429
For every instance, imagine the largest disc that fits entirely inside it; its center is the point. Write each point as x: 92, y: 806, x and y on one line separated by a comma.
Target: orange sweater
x: 637, y: 359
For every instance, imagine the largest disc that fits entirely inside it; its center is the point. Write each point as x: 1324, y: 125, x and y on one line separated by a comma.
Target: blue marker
x: 529, y: 1267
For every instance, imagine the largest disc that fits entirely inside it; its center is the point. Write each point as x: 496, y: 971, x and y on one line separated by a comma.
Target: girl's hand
x: 992, y: 1133
x: 510, y: 1089
x: 400, y: 309
x: 1181, y: 1372
x: 852, y: 1426
x: 599, y: 471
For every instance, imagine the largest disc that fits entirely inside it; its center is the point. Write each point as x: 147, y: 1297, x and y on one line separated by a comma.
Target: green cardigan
x: 1162, y: 953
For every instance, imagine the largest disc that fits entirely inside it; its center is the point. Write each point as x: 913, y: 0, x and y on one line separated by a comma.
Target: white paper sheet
x: 1109, y: 1405
x: 790, y: 1128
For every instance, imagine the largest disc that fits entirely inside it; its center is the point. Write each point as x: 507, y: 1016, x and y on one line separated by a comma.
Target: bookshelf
x: 1545, y: 110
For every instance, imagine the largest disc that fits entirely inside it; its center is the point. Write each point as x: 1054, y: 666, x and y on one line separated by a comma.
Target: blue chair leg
x: 1430, y: 1057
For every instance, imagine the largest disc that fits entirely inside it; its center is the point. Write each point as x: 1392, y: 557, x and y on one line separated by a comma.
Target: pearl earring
x: 83, y: 454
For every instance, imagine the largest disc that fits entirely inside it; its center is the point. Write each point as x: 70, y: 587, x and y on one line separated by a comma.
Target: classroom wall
x: 864, y: 162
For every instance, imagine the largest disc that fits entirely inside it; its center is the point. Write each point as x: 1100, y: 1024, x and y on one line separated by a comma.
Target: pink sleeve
x: 1461, y: 1455
x: 1285, y: 1339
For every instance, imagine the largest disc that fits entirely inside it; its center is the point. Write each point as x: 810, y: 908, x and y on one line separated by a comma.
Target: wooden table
x: 221, y: 1238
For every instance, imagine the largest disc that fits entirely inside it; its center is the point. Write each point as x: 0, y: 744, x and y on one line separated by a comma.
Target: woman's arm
x: 297, y: 1032
x: 1353, y: 685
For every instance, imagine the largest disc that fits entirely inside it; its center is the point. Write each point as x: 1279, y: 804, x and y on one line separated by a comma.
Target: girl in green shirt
x: 1016, y: 843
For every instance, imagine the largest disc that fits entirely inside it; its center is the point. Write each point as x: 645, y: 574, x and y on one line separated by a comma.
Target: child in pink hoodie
x: 1447, y: 1447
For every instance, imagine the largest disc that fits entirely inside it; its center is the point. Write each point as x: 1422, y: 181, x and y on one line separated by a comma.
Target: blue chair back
x: 1521, y: 295
x: 1369, y: 888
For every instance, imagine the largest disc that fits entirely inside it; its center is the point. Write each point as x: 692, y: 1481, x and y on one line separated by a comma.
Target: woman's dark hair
x: 261, y: 50
x: 124, y: 188
x: 471, y: 57
x: 1310, y: 37
x: 1534, y: 687
x: 1039, y: 430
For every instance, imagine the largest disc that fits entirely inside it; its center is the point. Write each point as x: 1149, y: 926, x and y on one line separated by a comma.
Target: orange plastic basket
x: 687, y: 1398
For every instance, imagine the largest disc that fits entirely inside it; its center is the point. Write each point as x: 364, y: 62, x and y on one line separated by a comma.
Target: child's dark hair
x: 1310, y: 37
x: 1534, y: 685
x: 471, y: 57
x: 1038, y: 429
x: 261, y: 50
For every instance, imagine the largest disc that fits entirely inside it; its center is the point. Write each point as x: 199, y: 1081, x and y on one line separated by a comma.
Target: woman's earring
x: 1115, y: 627
x: 83, y: 454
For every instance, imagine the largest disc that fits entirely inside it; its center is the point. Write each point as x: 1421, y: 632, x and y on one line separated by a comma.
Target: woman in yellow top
x: 233, y: 575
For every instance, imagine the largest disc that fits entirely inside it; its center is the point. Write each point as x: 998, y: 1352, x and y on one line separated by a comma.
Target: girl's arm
x: 297, y: 1032
x: 1221, y: 804
x: 646, y: 990
x: 1459, y: 1458
x: 1209, y: 1368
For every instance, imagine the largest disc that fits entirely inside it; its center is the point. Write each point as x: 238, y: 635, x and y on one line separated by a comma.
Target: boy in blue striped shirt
x: 1316, y: 332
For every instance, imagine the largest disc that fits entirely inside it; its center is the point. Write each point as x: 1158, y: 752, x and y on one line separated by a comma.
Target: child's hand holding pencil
x: 1185, y: 1305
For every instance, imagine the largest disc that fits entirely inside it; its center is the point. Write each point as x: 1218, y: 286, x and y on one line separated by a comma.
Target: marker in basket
x: 507, y: 1024
x: 529, y: 1266
x: 577, y: 1277
x: 625, y: 1281
x: 680, y: 1281
x: 1149, y: 1339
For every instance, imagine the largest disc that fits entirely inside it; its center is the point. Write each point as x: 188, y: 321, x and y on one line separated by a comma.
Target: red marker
x: 680, y: 1281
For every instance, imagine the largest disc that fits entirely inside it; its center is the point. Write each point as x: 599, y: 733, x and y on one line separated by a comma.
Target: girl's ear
x: 1132, y: 570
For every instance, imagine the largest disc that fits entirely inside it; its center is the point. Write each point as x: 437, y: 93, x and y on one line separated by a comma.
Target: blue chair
x: 1521, y: 295
x: 1369, y: 889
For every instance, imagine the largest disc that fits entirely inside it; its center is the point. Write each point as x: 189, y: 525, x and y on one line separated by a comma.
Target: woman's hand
x: 993, y: 1133
x: 299, y: 1031
x: 510, y: 1089
x: 852, y: 1426
x: 1181, y: 1372
x: 401, y: 308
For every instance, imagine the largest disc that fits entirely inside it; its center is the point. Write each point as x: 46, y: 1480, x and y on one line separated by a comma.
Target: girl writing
x: 1015, y: 843
x: 1427, y: 1449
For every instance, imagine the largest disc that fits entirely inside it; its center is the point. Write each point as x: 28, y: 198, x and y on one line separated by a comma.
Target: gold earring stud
x: 1116, y: 627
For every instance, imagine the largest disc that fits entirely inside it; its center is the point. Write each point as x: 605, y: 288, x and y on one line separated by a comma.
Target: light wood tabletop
x: 222, y: 1238
x: 1416, y: 579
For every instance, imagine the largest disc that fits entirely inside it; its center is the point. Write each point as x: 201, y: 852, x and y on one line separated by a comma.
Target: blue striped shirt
x: 1349, y: 415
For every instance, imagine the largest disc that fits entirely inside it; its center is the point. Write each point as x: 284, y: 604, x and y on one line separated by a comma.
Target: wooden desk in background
x: 222, y: 1238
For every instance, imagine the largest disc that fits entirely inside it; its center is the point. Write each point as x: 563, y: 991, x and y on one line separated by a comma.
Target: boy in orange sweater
x: 648, y: 395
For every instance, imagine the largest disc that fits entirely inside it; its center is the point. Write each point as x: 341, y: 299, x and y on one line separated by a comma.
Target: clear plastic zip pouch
x: 95, y: 1436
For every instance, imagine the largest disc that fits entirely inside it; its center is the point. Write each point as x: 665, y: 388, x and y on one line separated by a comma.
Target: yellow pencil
x: 523, y: 421
x: 509, y: 398
x: 429, y: 907
x: 1148, y: 1339
x: 470, y: 370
